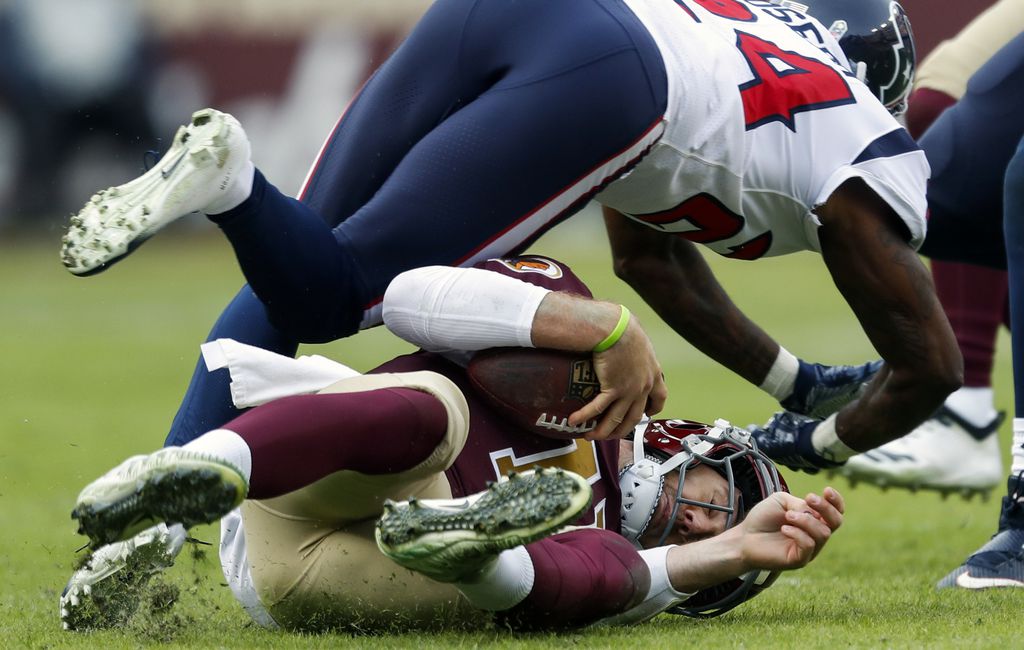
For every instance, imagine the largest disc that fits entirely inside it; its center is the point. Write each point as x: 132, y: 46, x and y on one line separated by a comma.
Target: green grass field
x: 93, y: 370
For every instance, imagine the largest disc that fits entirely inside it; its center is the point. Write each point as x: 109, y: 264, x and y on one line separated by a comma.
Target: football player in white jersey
x: 739, y: 125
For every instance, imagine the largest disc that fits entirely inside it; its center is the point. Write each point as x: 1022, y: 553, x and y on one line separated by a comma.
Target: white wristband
x: 782, y: 376
x: 827, y: 443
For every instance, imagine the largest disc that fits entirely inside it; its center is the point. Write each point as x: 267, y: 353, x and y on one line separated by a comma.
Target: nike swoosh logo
x: 165, y: 173
x: 967, y: 581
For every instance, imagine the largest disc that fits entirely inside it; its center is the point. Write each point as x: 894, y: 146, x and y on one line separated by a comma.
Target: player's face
x: 692, y: 522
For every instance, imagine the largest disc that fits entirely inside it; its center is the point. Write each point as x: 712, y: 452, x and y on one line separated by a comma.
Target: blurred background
x: 93, y: 370
x: 87, y: 87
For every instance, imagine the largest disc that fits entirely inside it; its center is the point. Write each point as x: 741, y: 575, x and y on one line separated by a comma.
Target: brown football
x: 537, y: 389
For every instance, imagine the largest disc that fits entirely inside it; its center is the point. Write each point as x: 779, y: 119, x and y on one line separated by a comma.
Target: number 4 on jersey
x: 786, y: 83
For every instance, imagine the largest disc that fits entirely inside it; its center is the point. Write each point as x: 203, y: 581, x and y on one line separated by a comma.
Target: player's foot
x: 206, y: 157
x: 946, y: 453
x: 451, y: 540
x: 105, y: 591
x: 1000, y: 562
x: 172, y: 485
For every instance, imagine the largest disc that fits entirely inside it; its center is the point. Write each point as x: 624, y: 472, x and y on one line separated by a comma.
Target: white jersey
x: 762, y: 126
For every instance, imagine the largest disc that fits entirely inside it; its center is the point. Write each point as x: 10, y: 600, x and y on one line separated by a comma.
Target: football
x: 537, y: 389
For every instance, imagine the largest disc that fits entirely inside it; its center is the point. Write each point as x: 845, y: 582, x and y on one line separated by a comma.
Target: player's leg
x: 531, y: 129
x: 1000, y: 562
x: 207, y: 402
x: 278, y: 448
x: 308, y: 559
x: 371, y: 437
x: 522, y: 151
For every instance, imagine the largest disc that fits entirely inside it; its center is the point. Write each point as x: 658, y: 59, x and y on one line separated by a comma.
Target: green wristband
x: 616, y: 333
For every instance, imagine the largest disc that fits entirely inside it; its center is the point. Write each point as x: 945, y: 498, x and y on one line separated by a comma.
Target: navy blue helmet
x: 876, y: 37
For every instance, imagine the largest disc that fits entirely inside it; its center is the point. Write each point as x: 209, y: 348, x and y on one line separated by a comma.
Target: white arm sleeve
x: 441, y: 308
x: 660, y: 596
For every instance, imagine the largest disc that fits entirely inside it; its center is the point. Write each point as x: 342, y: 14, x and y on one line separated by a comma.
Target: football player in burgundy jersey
x: 740, y: 125
x: 316, y: 469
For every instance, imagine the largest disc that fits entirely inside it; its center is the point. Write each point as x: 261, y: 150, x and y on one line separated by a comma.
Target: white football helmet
x: 663, y: 446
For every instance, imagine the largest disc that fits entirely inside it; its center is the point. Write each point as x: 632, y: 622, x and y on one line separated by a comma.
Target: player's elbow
x: 632, y: 269
x: 938, y: 374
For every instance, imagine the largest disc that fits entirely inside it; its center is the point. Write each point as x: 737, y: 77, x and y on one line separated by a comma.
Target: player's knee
x: 314, y: 320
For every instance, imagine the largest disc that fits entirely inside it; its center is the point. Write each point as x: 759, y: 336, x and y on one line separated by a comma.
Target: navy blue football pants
x: 969, y: 147
x: 491, y: 123
x: 976, y: 194
x: 1013, y: 224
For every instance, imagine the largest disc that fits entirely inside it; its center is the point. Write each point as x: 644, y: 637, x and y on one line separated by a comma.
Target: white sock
x: 1017, y: 449
x: 238, y: 191
x: 226, y: 446
x: 502, y: 585
x: 781, y: 377
x: 827, y: 443
x: 974, y: 404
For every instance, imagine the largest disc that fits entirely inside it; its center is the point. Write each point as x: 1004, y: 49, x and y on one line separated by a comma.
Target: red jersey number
x: 714, y: 222
x: 786, y: 83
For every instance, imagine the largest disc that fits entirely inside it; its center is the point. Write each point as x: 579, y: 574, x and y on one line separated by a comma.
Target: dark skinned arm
x: 864, y: 245
x: 670, y: 274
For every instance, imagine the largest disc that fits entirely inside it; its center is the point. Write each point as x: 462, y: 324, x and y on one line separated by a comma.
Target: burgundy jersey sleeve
x: 581, y: 577
x: 542, y: 271
x: 494, y: 448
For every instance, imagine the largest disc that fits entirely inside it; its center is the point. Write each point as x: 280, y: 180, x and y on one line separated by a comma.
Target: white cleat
x: 173, y: 485
x: 105, y: 591
x: 207, y: 156
x: 946, y: 454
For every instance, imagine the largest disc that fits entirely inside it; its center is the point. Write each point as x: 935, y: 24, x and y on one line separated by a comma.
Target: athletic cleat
x: 1000, y: 562
x: 206, y: 157
x: 946, y: 454
x: 450, y: 540
x: 105, y: 591
x: 172, y: 485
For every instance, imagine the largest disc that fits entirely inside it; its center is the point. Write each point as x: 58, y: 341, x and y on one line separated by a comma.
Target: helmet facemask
x: 663, y: 446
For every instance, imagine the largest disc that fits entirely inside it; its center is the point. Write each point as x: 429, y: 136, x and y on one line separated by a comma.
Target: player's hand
x: 632, y: 384
x: 786, y: 532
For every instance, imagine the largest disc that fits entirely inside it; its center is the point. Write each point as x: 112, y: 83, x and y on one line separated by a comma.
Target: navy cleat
x: 451, y: 540
x: 1000, y: 562
x: 821, y: 390
x: 786, y: 439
